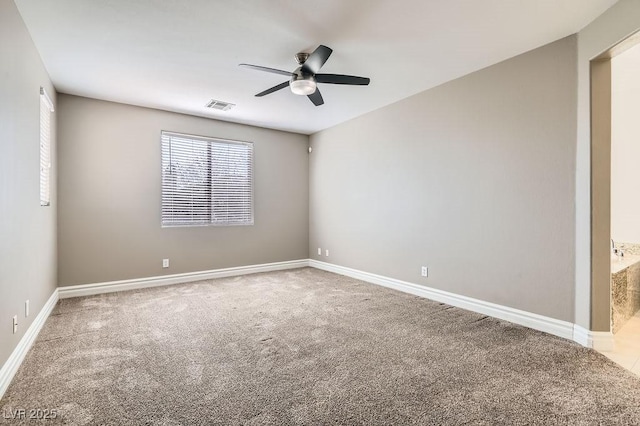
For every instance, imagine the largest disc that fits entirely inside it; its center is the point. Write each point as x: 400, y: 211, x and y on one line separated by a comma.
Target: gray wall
x: 27, y: 230
x: 474, y: 179
x: 109, y: 196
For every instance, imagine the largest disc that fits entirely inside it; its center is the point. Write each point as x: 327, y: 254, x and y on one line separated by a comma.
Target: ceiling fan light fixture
x: 303, y: 87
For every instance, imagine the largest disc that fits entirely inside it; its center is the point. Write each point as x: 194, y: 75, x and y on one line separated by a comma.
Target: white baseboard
x: 12, y: 364
x: 538, y: 322
x: 112, y: 286
x: 598, y: 340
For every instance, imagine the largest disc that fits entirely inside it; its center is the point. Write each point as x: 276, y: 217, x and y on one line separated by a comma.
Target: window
x: 46, y: 108
x: 206, y: 181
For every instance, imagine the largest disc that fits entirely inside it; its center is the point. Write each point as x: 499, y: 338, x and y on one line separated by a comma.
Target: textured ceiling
x: 177, y: 55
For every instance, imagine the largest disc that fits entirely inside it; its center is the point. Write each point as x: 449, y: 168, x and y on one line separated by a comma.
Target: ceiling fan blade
x: 342, y: 79
x: 274, y: 89
x: 316, y: 60
x: 267, y: 69
x: 316, y: 98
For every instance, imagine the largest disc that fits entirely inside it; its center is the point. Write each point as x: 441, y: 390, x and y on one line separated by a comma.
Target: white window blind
x: 46, y: 108
x: 206, y: 181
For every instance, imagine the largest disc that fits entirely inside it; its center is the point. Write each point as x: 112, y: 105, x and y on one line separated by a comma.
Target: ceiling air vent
x: 222, y: 106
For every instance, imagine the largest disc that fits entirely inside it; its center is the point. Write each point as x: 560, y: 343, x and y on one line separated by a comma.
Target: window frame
x: 210, y: 141
x: 46, y: 104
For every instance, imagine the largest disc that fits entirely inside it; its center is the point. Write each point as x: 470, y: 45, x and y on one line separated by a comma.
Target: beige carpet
x: 306, y: 347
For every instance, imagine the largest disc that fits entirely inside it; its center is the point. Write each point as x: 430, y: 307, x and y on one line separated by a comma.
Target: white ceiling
x: 176, y: 55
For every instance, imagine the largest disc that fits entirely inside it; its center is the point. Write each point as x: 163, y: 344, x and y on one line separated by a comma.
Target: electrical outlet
x: 425, y: 271
x: 26, y: 308
x: 319, y: 251
x: 15, y: 324
x: 326, y: 252
x: 165, y: 263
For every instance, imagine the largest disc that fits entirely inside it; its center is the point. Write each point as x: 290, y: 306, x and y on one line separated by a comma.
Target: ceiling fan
x: 303, y: 81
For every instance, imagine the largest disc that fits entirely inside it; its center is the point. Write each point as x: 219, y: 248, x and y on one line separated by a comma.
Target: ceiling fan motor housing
x: 301, y: 57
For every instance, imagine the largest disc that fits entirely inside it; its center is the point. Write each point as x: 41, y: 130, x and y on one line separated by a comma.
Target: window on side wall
x: 206, y: 181
x: 46, y: 109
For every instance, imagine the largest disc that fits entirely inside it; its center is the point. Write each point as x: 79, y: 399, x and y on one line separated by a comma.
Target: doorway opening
x: 615, y: 120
